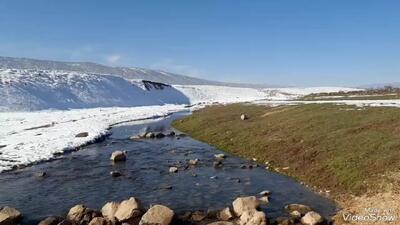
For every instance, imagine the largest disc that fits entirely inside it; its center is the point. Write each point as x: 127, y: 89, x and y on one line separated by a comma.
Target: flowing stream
x: 83, y: 177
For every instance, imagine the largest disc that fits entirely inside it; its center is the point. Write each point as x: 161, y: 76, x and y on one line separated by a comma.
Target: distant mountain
x: 125, y: 72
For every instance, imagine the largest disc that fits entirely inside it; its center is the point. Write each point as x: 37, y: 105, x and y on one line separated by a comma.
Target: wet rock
x: 135, y: 137
x: 312, y: 218
x: 81, y: 215
x: 173, y: 169
x: 295, y: 214
x: 128, y: 209
x: 115, y: 173
x: 217, y: 164
x: 198, y: 216
x: 221, y: 223
x: 284, y: 221
x: 9, y: 216
x: 220, y: 156
x: 193, y: 162
x: 242, y: 204
x: 118, y: 156
x: 52, y: 220
x: 184, y: 216
x: 213, y: 177
x: 243, y: 117
x: 225, y: 214
x: 3, y: 146
x: 265, y: 193
x: 109, y: 209
x: 253, y: 217
x: 160, y: 135
x: 41, y: 174
x: 99, y: 221
x: 82, y: 134
x: 172, y: 133
x: 150, y: 135
x: 264, y: 200
x: 303, y: 209
x: 158, y: 214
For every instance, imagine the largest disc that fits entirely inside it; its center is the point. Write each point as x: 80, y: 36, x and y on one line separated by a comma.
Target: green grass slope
x: 339, y: 148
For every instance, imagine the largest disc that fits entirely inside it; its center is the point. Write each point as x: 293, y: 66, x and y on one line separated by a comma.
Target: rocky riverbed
x: 185, y: 178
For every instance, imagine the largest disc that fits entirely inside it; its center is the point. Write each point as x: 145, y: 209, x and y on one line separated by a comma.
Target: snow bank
x: 293, y: 93
x: 36, y: 136
x: 358, y: 103
x: 37, y: 90
x: 208, y: 94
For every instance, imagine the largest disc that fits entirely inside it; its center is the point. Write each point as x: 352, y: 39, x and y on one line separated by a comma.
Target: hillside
x: 125, y: 72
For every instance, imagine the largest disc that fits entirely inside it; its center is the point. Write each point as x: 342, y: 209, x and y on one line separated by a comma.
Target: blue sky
x: 280, y: 42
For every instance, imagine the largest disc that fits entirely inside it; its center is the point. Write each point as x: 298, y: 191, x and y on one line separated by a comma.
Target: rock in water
x: 225, y: 214
x: 99, y: 221
x: 243, y: 204
x: 160, y: 135
x: 243, y: 117
x: 265, y: 193
x: 221, y: 223
x: 9, y: 216
x: 220, y: 156
x: 150, y: 135
x: 193, y: 162
x: 253, y: 217
x: 52, y: 220
x: 158, y: 214
x: 82, y: 215
x: 115, y: 173
x: 118, y: 156
x: 311, y: 218
x: 128, y: 209
x: 83, y: 134
x: 173, y: 169
x: 303, y: 209
x: 109, y: 210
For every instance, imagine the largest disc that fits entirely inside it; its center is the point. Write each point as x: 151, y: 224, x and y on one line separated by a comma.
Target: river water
x: 83, y: 177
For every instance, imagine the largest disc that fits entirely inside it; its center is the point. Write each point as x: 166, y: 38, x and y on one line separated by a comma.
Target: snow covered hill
x: 30, y: 90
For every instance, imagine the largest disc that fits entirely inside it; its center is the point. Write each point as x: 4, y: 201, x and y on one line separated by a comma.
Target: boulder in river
x: 303, y: 209
x: 198, y: 216
x: 129, y: 209
x: 312, y: 218
x: 217, y: 164
x: 82, y: 215
x: 253, y: 217
x: 171, y: 134
x: 221, y: 223
x: 159, y: 135
x: 99, y: 221
x: 118, y: 156
x: 157, y: 214
x: 82, y: 134
x: 264, y: 200
x: 173, y: 169
x: 150, y: 135
x: 41, y: 174
x: 193, y: 162
x: 52, y: 220
x: 115, y: 173
x: 9, y: 216
x: 265, y: 193
x: 109, y: 209
x: 225, y: 214
x: 242, y: 204
x: 220, y: 156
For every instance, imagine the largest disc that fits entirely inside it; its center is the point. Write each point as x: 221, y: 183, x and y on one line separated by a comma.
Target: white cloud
x: 113, y: 59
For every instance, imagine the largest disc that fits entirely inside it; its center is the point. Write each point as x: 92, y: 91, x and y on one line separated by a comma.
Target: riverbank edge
x: 348, y: 204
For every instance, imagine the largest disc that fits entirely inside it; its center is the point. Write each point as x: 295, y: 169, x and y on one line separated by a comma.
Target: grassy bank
x: 339, y: 148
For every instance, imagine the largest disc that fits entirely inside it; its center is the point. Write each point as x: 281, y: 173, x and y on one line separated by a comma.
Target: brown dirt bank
x: 351, y: 153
